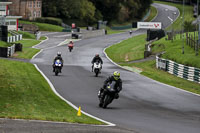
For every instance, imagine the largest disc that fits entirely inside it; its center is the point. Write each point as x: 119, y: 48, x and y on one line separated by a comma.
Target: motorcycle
x: 58, y: 66
x: 97, y: 68
x: 70, y: 46
x: 110, y: 94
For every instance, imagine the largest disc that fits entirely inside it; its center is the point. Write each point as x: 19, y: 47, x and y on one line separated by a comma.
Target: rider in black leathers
x: 97, y: 58
x: 58, y: 57
x: 115, y: 77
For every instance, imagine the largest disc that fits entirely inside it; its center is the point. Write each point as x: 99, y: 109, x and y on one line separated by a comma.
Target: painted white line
x: 67, y: 41
x: 53, y: 122
x: 63, y: 35
x: 145, y: 76
x: 170, y: 19
x: 49, y: 33
x: 76, y: 108
x: 40, y: 42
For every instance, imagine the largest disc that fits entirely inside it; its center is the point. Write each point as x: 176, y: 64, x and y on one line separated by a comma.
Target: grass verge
x: 44, y: 26
x: 27, y: 51
x: 149, y: 69
x: 133, y: 49
x: 128, y: 50
x: 153, y: 13
x: 25, y: 94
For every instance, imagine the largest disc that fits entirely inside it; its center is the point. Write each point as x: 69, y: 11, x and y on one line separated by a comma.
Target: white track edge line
x: 146, y: 76
x: 54, y: 90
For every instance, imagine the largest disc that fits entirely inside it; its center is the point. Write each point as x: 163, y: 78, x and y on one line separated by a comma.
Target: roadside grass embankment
x: 153, y: 13
x: 44, y: 26
x: 25, y: 94
x: 133, y: 49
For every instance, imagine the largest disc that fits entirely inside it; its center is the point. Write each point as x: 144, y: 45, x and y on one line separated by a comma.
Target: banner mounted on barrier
x: 149, y: 25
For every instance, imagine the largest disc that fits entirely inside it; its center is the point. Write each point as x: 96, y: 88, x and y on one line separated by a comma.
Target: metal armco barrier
x: 179, y: 70
x: 14, y: 38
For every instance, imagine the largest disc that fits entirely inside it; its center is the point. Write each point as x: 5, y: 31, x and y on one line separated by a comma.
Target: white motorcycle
x: 57, y: 65
x: 97, y: 68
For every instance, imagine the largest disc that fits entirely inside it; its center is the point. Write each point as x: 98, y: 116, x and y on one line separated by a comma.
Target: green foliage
x: 90, y: 11
x: 188, y: 26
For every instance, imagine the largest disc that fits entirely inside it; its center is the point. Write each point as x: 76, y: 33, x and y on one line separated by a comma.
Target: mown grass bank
x: 44, y: 26
x: 133, y: 49
x: 128, y: 50
x: 153, y: 13
x: 25, y: 94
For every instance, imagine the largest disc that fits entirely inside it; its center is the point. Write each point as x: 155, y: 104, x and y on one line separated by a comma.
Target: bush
x: 49, y: 20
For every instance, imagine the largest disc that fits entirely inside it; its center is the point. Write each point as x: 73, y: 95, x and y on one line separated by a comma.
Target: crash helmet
x: 70, y: 42
x: 96, y: 55
x: 116, y: 75
x: 59, y: 54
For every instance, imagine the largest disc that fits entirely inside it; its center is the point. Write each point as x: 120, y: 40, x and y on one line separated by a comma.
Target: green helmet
x: 116, y: 75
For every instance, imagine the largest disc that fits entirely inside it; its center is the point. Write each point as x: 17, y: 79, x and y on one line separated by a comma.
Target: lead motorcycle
x: 97, y: 68
x: 58, y: 67
x: 110, y: 94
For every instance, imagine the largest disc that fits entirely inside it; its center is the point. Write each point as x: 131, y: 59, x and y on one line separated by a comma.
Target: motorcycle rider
x: 58, y: 57
x: 71, y: 43
x: 115, y: 77
x: 97, y: 58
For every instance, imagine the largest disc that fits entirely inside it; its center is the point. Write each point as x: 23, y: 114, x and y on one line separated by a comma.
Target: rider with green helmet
x: 115, y: 77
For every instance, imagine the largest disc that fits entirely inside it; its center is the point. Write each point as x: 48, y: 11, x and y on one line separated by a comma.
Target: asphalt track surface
x: 144, y: 106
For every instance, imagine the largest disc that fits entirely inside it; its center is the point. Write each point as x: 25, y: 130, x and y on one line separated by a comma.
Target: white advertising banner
x: 149, y: 25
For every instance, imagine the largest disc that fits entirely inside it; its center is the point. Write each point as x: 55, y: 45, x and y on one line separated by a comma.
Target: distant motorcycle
x: 58, y: 66
x: 110, y: 94
x: 70, y: 46
x: 97, y: 68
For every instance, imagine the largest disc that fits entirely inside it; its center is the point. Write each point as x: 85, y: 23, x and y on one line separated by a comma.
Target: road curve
x: 144, y: 106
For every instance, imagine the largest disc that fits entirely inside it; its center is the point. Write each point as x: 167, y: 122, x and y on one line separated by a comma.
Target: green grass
x: 188, y: 14
x: 25, y: 94
x: 5, y: 44
x: 27, y: 35
x: 149, y: 69
x: 174, y: 52
x: 128, y: 50
x: 134, y: 48
x: 153, y: 13
x: 44, y: 26
x: 110, y: 31
x: 27, y: 51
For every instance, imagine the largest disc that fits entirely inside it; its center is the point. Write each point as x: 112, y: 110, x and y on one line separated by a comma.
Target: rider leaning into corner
x: 97, y: 58
x: 115, y: 77
x: 58, y: 57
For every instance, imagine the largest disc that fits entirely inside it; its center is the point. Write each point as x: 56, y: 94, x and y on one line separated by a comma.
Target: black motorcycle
x: 110, y: 94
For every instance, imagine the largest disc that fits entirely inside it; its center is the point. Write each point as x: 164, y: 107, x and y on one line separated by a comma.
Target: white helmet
x: 59, y: 53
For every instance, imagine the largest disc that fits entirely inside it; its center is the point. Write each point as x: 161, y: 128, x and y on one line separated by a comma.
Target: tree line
x: 90, y: 11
